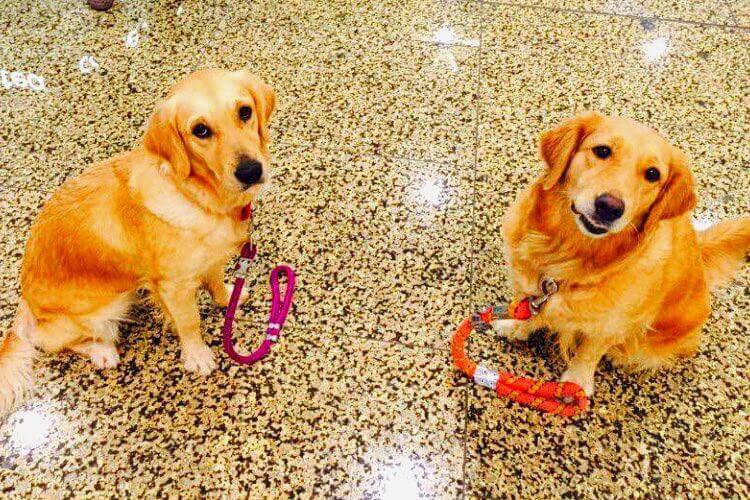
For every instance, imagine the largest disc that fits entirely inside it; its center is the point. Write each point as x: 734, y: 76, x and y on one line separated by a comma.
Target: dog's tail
x: 723, y: 248
x: 16, y: 360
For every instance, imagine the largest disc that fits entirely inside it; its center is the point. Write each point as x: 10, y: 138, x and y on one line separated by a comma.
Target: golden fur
x: 164, y: 216
x: 640, y: 292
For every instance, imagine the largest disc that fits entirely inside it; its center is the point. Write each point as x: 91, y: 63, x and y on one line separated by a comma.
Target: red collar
x: 246, y: 212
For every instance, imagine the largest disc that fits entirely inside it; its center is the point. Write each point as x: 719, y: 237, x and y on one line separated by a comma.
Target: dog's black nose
x: 609, y: 208
x: 249, y: 171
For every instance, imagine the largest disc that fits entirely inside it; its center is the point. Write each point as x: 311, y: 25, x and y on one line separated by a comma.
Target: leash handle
x: 279, y: 307
x: 549, y: 397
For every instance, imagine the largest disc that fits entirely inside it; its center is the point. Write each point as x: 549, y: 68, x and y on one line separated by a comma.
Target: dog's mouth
x: 259, y: 184
x: 588, y: 225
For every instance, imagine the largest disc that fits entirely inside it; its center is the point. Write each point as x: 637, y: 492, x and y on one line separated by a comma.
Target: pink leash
x: 279, y: 306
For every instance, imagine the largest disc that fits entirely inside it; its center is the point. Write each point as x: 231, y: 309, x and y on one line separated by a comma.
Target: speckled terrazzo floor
x: 404, y: 130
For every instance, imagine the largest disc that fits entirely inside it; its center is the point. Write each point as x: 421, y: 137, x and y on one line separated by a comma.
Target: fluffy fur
x: 639, y: 292
x: 164, y: 216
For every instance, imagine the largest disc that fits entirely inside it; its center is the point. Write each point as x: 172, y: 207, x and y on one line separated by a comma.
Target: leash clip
x: 243, y: 266
x: 247, y: 255
x: 536, y: 304
x: 549, y: 287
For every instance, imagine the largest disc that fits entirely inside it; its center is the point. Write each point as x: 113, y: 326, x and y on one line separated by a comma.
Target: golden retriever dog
x: 164, y: 217
x: 610, y: 222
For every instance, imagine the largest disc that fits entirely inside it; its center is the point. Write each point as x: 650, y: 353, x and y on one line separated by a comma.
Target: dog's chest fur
x: 614, y: 300
x: 187, y: 240
x: 199, y: 243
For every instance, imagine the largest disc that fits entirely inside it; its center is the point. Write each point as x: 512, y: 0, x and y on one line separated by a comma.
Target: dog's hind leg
x: 103, y: 327
x: 100, y: 347
x: 92, y: 335
x: 103, y: 354
x: 63, y: 332
x: 53, y: 334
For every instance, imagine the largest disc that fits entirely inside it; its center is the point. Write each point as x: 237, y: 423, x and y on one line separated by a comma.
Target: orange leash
x: 549, y: 397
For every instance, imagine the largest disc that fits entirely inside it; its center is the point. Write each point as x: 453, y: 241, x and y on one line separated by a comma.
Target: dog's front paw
x: 510, y: 329
x: 586, y: 381
x: 198, y: 358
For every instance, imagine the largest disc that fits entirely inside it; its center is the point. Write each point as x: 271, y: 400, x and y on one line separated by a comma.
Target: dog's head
x: 616, y: 173
x: 212, y: 131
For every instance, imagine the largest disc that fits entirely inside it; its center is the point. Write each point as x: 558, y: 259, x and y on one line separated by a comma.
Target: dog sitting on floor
x: 609, y: 221
x: 165, y: 216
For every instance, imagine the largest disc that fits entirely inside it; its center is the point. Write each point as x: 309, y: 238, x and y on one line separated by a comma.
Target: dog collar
x: 246, y: 212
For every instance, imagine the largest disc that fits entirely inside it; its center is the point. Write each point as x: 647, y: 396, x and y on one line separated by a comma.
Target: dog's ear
x: 677, y: 196
x: 265, y: 100
x: 163, y: 139
x: 558, y: 146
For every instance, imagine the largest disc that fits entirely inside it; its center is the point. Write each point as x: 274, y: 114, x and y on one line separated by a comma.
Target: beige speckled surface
x: 692, y: 11
x: 404, y: 130
x: 741, y: 11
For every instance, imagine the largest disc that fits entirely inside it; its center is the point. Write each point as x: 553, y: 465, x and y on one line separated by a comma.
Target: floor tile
x: 407, y: 99
x: 58, y: 123
x: 437, y: 21
x: 380, y: 245
x: 348, y: 417
x: 9, y: 297
x: 741, y: 11
x: 701, y: 11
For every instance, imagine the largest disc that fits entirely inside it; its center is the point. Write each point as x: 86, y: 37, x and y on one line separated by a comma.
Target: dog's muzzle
x: 249, y: 172
x: 593, y: 227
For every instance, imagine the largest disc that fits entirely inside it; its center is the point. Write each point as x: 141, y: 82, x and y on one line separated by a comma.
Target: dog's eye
x: 245, y: 113
x: 653, y: 174
x: 201, y: 131
x: 602, y: 152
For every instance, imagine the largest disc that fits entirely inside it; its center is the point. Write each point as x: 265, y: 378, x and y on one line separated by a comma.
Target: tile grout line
x: 447, y: 44
x: 473, y: 217
x: 353, y: 151
x: 732, y: 14
x: 614, y: 14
